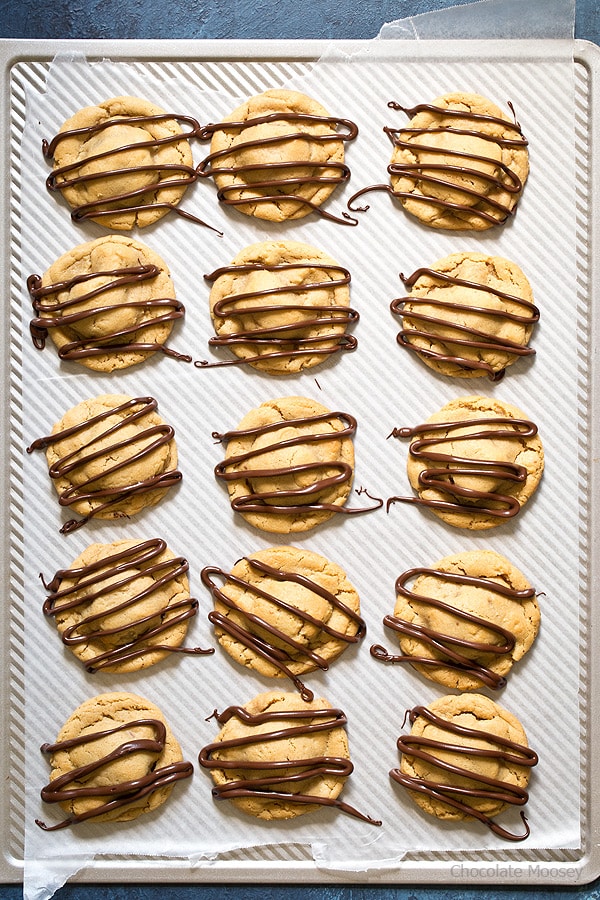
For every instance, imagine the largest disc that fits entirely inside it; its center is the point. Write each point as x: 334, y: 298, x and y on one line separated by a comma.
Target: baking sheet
x: 383, y: 389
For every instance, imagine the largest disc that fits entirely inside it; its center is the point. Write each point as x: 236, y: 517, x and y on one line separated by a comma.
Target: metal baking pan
x: 560, y: 249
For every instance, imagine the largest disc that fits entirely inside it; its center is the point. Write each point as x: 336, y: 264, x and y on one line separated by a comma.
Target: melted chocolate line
x: 49, y: 147
x: 295, y: 770
x: 78, y: 458
x: 492, y: 788
x: 119, y: 794
x: 460, y: 114
x: 442, y: 478
x: 268, y: 651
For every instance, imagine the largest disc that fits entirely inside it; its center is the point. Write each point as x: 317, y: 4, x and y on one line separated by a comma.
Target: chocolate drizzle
x: 276, y: 186
x: 262, y: 644
x: 72, y: 785
x: 495, y: 789
x: 460, y: 334
x: 180, y: 175
x: 109, y: 576
x: 104, y: 496
x: 258, y: 501
x: 288, y: 340
x: 443, y: 479
x: 53, y: 313
x: 283, y: 771
x: 449, y: 645
x: 440, y: 172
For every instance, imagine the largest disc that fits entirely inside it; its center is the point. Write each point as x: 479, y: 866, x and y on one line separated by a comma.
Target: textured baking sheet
x: 552, y: 238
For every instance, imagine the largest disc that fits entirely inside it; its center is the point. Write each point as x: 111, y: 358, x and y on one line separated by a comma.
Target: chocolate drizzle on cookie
x: 292, y: 339
x: 281, y: 772
x: 72, y: 785
x: 263, y: 637
x: 445, y: 478
x: 262, y: 501
x: 137, y: 199
x: 54, y: 313
x: 268, y: 182
x: 443, y: 332
x: 110, y: 576
x: 476, y: 785
x: 449, y: 646
x: 103, y: 496
x: 439, y: 172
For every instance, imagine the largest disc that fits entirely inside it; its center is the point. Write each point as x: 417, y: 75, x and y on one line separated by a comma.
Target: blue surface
x: 211, y: 19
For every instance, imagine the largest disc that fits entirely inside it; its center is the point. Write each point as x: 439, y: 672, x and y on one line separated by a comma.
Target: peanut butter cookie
x: 464, y: 621
x: 468, y: 315
x: 284, y: 612
x: 107, y: 304
x: 279, y: 757
x: 281, y: 306
x: 110, y: 456
x: 114, y: 759
x: 466, y: 758
x: 474, y: 463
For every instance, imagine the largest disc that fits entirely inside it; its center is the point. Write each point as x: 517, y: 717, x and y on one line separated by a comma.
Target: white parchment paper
x: 379, y: 384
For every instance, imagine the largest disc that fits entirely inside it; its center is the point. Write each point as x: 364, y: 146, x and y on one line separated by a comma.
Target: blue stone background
x: 254, y: 19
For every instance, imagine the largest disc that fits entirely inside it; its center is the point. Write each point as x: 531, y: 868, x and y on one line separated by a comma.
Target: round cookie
x: 117, y: 602
x: 280, y: 158
x: 473, y: 614
x: 468, y: 315
x: 460, y: 164
x: 289, y: 464
x: 107, y: 304
x: 474, y: 463
x: 121, y: 163
x: 478, y: 766
x: 110, y: 456
x: 284, y: 612
x: 281, y: 306
x: 264, y: 748
x: 135, y: 758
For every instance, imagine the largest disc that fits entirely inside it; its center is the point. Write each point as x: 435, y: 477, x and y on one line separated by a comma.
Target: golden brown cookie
x: 114, y: 759
x: 466, y: 758
x: 278, y: 156
x: 281, y: 306
x: 468, y: 315
x: 110, y: 456
x: 464, y: 621
x: 474, y: 463
x: 107, y: 304
x: 264, y: 749
x: 122, y: 163
x: 284, y: 612
x: 123, y: 606
x: 289, y: 465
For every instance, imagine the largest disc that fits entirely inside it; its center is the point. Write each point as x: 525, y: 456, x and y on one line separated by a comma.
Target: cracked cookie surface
x: 103, y: 301
x: 461, y: 612
x: 460, y: 163
x: 132, y: 753
x: 124, y: 163
x: 468, y: 315
x: 279, y: 300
